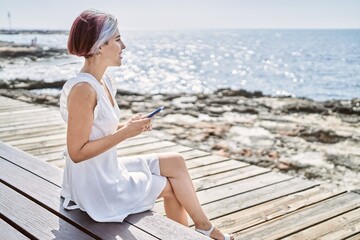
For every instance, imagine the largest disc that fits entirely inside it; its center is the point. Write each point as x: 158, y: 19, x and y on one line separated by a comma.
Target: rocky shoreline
x: 9, y: 51
x: 300, y: 137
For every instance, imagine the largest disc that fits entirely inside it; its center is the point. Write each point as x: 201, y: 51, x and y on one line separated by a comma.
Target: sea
x: 315, y: 64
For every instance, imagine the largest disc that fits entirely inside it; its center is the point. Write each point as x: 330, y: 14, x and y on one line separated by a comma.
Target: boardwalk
x: 249, y: 201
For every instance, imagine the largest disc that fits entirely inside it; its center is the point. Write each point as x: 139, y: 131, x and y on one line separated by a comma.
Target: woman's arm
x: 81, y: 105
x: 121, y: 125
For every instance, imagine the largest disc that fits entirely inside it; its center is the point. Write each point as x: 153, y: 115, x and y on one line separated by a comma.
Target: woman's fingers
x: 145, y: 124
x: 137, y: 116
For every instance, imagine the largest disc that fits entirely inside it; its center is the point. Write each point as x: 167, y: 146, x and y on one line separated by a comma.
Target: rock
x: 123, y: 104
x: 283, y: 166
x: 221, y: 145
x: 30, y: 84
x: 184, y: 102
x: 222, y: 101
x: 306, y: 159
x: 191, y: 112
x: 244, y: 109
x: 246, y: 152
x: 304, y: 106
x: 127, y: 93
x: 222, y: 153
x: 216, y: 110
x: 345, y: 107
x: 348, y: 160
x: 179, y: 119
x: 252, y: 137
x: 320, y: 135
x: 273, y: 155
x: 199, y: 137
x: 16, y: 51
x: 230, y: 93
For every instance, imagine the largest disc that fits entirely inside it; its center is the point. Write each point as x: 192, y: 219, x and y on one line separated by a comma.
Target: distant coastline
x: 32, y: 31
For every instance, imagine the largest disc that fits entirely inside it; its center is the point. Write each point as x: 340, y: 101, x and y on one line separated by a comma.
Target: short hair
x: 90, y: 30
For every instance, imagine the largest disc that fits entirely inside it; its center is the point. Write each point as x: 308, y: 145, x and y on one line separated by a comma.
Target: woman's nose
x: 123, y: 45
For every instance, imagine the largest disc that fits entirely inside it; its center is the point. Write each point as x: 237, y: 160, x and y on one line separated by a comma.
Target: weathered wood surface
x: 29, y: 187
x: 8, y: 232
x: 249, y: 201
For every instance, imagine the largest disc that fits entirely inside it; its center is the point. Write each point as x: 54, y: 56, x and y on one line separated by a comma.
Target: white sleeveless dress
x: 108, y: 188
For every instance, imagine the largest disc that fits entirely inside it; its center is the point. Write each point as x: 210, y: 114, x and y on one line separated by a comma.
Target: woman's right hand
x: 136, y: 125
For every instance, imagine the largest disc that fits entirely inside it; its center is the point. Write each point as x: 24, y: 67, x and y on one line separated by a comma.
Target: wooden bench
x: 31, y: 207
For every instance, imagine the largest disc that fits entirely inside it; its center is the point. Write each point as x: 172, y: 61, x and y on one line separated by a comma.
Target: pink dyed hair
x: 90, y: 30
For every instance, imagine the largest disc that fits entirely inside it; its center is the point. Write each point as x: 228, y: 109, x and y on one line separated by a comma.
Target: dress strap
x: 66, y: 205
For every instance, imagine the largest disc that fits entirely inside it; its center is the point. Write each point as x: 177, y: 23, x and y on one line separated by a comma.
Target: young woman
x: 109, y: 188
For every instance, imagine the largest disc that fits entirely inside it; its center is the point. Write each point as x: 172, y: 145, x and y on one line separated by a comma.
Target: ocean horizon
x: 320, y: 64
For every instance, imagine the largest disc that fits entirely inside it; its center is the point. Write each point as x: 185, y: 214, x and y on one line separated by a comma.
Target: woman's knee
x: 168, y: 191
x: 172, y: 164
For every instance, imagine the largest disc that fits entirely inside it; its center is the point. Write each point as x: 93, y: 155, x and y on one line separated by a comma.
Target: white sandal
x: 208, y: 232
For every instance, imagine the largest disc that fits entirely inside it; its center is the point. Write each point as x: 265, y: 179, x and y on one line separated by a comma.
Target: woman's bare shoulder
x: 83, y: 92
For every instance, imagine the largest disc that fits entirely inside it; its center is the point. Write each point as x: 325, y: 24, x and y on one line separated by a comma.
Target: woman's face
x: 111, y: 52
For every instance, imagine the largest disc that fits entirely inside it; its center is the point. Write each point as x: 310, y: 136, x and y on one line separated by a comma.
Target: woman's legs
x: 173, y: 208
x: 172, y: 165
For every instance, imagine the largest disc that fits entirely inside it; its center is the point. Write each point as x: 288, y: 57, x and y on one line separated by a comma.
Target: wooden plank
x: 195, y: 153
x: 229, y: 176
x: 35, y: 220
x: 36, y: 143
x: 257, y: 214
x: 203, y: 161
x: 354, y: 237
x: 20, y: 116
x: 32, y: 110
x: 5, y: 103
x: 15, y: 106
x: 48, y: 194
x: 211, y: 169
x: 30, y: 163
x: 242, y: 186
x: 44, y: 121
x: 164, y: 227
x: 29, y: 112
x: 340, y: 227
x: 303, y: 218
x: 60, y: 162
x: 9, y: 233
x: 37, y: 139
x: 32, y: 147
x: 32, y: 131
x: 46, y: 150
x: 31, y: 125
x: 51, y: 157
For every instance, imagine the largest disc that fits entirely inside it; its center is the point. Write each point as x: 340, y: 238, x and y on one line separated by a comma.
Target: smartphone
x: 153, y: 113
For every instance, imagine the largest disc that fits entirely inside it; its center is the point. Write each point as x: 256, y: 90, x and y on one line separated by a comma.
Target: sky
x: 187, y: 14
